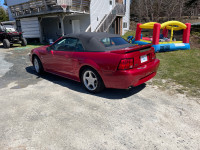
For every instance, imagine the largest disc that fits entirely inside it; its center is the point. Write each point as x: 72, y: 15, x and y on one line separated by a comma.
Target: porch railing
x: 118, y: 10
x: 40, y: 7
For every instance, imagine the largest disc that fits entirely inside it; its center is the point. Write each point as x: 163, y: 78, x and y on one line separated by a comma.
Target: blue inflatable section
x: 163, y: 47
x: 139, y: 42
x: 171, y: 47
x: 130, y: 38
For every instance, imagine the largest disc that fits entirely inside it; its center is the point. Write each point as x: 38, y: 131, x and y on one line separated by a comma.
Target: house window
x: 125, y: 25
x: 110, y: 2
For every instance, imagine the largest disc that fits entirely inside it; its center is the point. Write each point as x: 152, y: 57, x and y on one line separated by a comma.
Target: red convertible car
x: 98, y: 60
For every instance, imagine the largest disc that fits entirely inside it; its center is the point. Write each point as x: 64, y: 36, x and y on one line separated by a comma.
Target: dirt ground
x: 49, y: 112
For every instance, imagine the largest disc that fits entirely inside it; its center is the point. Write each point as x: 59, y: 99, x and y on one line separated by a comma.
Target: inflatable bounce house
x: 161, y: 42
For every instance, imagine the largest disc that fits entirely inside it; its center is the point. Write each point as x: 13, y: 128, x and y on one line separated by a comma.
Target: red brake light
x: 125, y: 64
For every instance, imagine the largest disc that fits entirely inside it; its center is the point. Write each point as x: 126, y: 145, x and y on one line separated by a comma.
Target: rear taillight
x: 126, y: 64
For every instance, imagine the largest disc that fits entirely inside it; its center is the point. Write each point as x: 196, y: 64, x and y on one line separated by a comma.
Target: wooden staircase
x: 106, y: 22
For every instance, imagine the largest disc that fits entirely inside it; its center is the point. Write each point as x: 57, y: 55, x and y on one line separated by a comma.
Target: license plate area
x: 143, y: 58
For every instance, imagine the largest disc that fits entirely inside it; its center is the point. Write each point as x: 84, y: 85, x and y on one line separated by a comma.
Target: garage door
x: 30, y: 27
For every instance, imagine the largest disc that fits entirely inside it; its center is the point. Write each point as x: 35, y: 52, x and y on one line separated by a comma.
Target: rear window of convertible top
x: 113, y: 41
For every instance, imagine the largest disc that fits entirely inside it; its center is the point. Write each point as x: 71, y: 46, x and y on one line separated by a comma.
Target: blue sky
x: 2, y: 1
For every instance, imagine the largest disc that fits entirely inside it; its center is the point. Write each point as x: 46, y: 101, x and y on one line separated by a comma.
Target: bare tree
x: 153, y: 10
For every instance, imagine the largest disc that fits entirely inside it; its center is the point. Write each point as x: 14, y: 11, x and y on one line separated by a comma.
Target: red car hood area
x: 41, y: 48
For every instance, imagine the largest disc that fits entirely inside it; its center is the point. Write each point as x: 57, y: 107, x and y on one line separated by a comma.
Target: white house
x: 50, y: 19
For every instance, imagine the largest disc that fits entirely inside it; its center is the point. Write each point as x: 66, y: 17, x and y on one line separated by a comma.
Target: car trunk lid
x: 141, y: 48
x: 140, y: 55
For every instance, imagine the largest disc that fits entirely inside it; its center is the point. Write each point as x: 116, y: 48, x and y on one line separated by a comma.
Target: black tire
x: 24, y: 42
x: 99, y: 85
x: 37, y: 65
x: 6, y: 43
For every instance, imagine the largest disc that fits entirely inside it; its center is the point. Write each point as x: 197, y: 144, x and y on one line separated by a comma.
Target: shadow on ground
x: 76, y: 86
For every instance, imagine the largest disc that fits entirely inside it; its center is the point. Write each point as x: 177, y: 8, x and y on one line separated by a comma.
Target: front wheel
x: 24, y: 42
x: 6, y: 43
x: 92, y: 81
x: 37, y: 65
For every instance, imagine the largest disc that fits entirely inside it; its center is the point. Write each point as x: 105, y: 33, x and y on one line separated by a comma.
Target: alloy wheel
x: 90, y: 80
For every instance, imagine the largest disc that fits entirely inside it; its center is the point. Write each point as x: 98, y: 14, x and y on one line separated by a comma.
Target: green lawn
x: 28, y: 47
x: 178, y: 70
x: 181, y: 67
x: 129, y: 33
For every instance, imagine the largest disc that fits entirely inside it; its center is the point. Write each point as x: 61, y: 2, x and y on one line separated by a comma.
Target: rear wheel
x: 92, y: 81
x: 24, y: 42
x: 6, y: 43
x: 37, y: 65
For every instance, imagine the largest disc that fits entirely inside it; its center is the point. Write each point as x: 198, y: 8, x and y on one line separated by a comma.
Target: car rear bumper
x: 123, y: 79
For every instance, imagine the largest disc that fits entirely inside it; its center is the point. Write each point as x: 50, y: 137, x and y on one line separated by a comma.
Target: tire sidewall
x: 6, y: 43
x: 40, y: 71
x: 24, y: 42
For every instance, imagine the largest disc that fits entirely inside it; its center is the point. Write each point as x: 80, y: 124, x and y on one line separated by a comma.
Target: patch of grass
x: 19, y: 47
x: 34, y: 45
x: 182, y: 67
x: 196, y: 35
x: 129, y: 33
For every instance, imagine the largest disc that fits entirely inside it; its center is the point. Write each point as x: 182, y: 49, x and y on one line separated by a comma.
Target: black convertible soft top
x: 91, y: 41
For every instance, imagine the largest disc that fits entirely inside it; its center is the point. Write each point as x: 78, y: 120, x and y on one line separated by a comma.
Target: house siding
x: 98, y: 9
x: 84, y: 22
x: 101, y: 8
x: 30, y: 27
x: 126, y: 18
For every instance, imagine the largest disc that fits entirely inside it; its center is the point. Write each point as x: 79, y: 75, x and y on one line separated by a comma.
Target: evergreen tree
x: 3, y: 15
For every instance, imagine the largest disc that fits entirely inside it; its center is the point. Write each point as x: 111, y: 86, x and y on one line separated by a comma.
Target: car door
x: 59, y: 59
x: 78, y: 57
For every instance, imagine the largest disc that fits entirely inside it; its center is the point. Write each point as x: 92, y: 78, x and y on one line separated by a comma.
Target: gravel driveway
x: 52, y: 113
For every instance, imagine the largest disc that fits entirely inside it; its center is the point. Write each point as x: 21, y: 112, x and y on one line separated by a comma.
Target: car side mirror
x: 48, y: 48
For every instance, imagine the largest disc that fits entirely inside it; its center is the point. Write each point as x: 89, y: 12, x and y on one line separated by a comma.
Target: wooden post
x: 121, y: 25
x: 115, y: 25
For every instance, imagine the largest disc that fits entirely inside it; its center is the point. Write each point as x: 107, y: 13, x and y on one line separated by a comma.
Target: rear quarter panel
x: 102, y: 62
